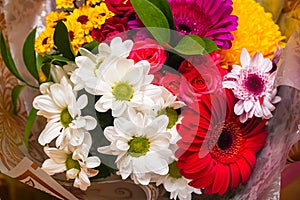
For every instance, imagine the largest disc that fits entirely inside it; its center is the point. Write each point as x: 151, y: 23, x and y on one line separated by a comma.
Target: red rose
x: 172, y: 83
x: 112, y: 26
x: 157, y: 78
x: 198, y: 81
x: 150, y: 50
x: 120, y: 7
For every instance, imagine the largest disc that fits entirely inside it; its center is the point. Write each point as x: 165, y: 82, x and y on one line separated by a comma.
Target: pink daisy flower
x: 253, y: 84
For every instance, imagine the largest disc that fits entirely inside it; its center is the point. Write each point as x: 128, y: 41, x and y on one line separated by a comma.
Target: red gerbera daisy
x: 217, y: 151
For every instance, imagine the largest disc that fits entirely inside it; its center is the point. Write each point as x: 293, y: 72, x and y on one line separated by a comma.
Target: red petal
x: 250, y: 158
x: 244, y: 169
x: 221, y: 180
x: 235, y: 175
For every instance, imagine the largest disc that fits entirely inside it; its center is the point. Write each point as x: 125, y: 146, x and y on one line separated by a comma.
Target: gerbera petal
x: 244, y: 168
x: 245, y: 58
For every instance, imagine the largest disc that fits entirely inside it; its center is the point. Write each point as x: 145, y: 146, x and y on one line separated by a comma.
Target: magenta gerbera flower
x: 206, y: 18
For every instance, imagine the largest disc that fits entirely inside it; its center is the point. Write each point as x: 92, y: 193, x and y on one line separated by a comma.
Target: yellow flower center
x: 65, y: 117
x: 174, y: 171
x: 72, y: 164
x: 138, y: 146
x: 171, y: 114
x: 122, y: 91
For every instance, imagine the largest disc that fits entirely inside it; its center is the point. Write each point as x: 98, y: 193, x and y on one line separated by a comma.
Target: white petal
x: 245, y: 58
x: 82, y: 101
x: 239, y: 107
x: 248, y: 105
x: 51, y: 167
x: 229, y: 84
x: 51, y: 131
x: 90, y: 122
x: 92, y: 162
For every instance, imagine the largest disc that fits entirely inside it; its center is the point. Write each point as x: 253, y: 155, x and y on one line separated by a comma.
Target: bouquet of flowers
x: 175, y: 93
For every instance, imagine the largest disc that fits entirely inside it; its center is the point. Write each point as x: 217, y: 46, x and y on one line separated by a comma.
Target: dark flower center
x: 45, y: 41
x: 71, y: 35
x: 254, y: 84
x: 225, y: 140
x: 83, y: 19
x: 229, y: 144
x: 183, y: 28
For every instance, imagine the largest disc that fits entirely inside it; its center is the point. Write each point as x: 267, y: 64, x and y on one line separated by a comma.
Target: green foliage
x: 7, y: 58
x: 29, y: 55
x: 28, y: 126
x: 15, y: 95
x: 153, y: 18
x: 62, y: 41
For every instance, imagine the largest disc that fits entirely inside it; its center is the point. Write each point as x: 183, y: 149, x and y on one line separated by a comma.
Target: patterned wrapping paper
x: 17, y: 162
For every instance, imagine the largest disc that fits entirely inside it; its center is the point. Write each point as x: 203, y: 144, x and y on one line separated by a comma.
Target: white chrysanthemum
x: 91, y: 66
x: 126, y: 85
x: 142, y: 146
x: 74, y: 161
x: 176, y: 184
x: 253, y: 84
x: 63, y: 113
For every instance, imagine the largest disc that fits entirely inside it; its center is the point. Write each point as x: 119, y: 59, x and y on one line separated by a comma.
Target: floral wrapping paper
x: 18, y: 16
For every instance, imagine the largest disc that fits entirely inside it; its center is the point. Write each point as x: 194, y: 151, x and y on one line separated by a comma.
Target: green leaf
x: 62, y: 41
x: 59, y: 58
x: 190, y: 45
x: 104, y: 171
x: 15, y: 95
x: 210, y: 45
x: 154, y: 20
x: 29, y: 55
x: 46, y: 70
x: 164, y: 6
x: 28, y: 126
x: 91, y: 46
x: 7, y: 58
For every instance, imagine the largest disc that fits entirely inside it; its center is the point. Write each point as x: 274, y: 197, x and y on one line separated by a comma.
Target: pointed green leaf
x: 164, y: 6
x: 28, y: 126
x: 154, y: 20
x: 29, y: 55
x: 91, y: 46
x: 15, y: 95
x: 210, y: 45
x: 7, y: 58
x: 190, y: 45
x: 59, y: 58
x: 62, y: 41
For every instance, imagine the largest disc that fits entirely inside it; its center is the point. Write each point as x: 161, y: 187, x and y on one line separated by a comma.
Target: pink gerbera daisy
x: 210, y: 19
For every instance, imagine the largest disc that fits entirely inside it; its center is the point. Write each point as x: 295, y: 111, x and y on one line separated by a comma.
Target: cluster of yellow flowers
x: 79, y: 22
x: 256, y: 32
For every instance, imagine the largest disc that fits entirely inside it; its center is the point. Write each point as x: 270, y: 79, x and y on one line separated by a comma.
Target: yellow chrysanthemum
x: 76, y: 34
x: 83, y: 16
x: 53, y: 17
x: 92, y: 2
x: 64, y: 4
x: 256, y: 32
x: 44, y: 42
x: 101, y: 13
